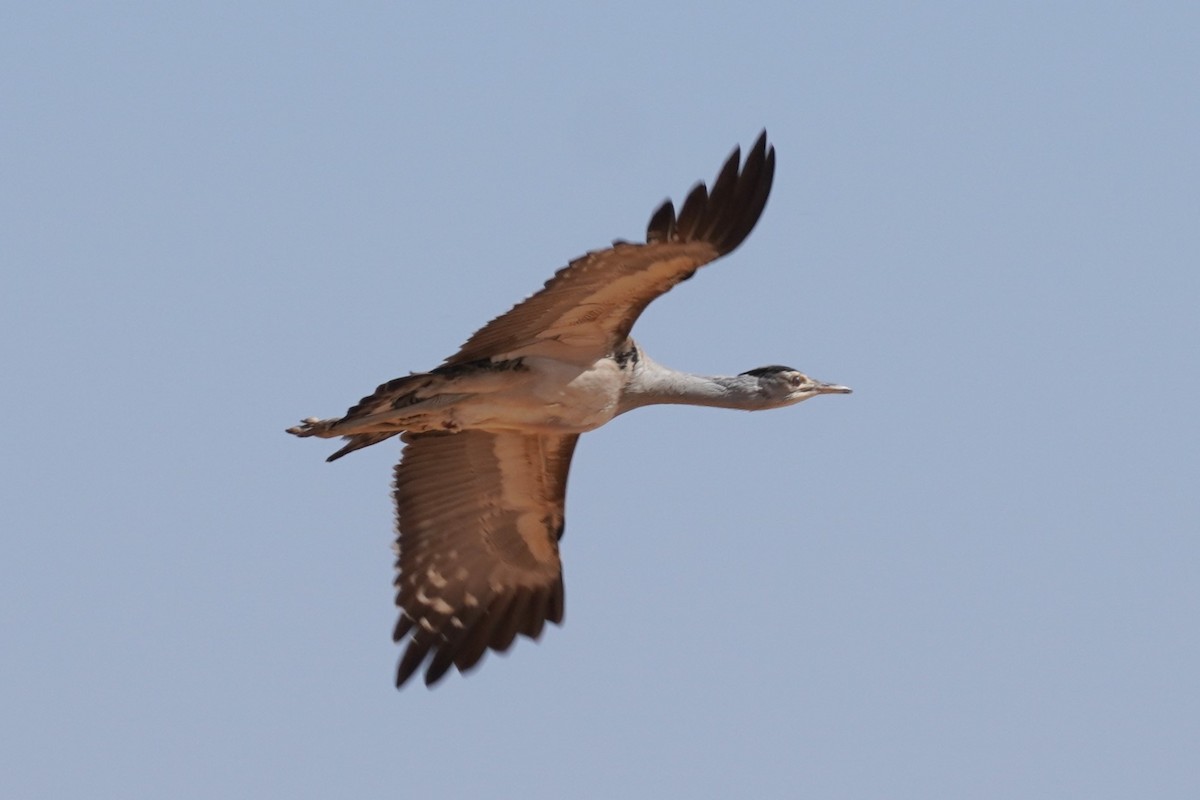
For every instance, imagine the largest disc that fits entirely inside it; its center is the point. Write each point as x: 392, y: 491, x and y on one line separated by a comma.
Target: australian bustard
x: 488, y: 435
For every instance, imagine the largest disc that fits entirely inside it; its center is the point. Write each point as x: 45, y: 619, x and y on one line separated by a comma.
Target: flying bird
x: 488, y: 435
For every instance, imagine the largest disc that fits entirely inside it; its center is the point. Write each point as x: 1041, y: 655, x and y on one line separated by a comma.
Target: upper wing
x: 479, y: 517
x: 588, y: 307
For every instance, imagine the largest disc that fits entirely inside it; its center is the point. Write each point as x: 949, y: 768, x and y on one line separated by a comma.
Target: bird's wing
x: 588, y: 308
x: 479, y: 516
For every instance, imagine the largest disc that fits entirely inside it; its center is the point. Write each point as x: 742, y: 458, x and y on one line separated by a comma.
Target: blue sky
x: 974, y: 577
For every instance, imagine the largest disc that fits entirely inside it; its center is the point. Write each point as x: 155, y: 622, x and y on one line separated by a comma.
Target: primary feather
x: 489, y: 434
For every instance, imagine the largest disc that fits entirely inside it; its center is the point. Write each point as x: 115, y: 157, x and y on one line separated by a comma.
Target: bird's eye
x: 797, y: 380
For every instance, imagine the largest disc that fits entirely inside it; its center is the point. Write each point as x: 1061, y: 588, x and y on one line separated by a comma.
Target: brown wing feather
x: 479, y: 516
x: 588, y: 307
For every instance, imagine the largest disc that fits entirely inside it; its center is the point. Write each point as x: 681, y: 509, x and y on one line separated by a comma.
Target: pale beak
x: 832, y: 388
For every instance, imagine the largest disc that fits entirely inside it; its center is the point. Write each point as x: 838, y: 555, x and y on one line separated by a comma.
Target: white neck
x: 651, y: 384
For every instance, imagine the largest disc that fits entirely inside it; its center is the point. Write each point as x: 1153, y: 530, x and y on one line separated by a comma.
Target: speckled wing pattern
x: 588, y: 308
x: 479, y: 516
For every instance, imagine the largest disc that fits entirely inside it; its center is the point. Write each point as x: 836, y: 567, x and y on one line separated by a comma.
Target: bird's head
x: 784, y: 386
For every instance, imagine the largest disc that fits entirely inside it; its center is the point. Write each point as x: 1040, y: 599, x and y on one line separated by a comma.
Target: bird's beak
x: 832, y: 388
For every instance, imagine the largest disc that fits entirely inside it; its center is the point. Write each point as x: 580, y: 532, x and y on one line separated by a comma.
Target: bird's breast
x: 546, y: 395
x: 577, y: 398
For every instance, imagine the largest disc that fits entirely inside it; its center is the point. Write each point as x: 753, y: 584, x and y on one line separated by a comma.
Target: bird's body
x: 490, y: 433
x: 531, y: 393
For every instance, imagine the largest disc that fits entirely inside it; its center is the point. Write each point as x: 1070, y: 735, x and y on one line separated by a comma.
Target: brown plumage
x: 588, y: 308
x: 479, y: 516
x: 480, y: 503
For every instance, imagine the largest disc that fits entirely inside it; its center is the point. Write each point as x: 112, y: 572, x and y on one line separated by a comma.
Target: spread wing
x: 588, y: 308
x: 479, y: 517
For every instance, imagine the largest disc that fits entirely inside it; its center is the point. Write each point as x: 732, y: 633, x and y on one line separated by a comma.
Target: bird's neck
x: 651, y: 383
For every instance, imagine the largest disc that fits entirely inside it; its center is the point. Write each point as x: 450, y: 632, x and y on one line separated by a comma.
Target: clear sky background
x: 977, y: 576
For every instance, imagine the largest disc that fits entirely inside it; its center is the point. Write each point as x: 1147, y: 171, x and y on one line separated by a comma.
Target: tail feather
x: 359, y: 441
x: 325, y: 429
x: 315, y: 427
x: 380, y: 409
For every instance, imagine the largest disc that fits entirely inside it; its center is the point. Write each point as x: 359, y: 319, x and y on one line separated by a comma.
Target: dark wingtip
x: 726, y: 215
x: 750, y: 195
x: 662, y: 224
x: 520, y: 613
x: 411, y: 661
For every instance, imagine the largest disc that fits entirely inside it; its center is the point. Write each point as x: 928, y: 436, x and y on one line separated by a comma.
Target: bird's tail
x: 359, y: 441
x: 381, y: 415
x: 325, y: 429
x: 315, y: 427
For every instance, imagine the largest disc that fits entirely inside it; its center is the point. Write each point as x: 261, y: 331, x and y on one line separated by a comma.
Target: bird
x: 488, y: 435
